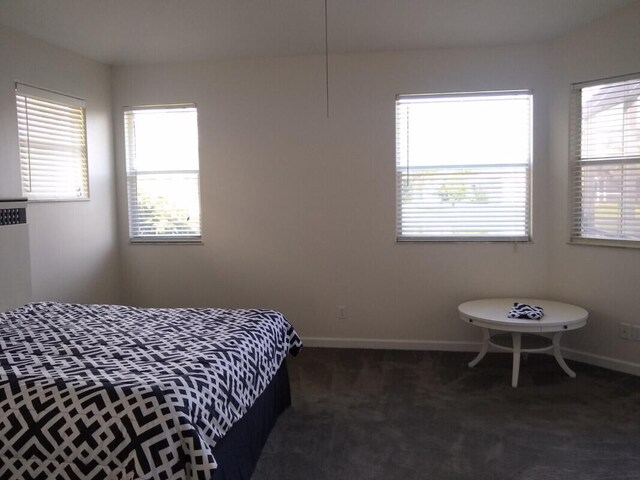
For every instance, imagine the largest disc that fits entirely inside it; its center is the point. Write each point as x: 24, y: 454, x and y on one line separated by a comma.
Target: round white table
x: 491, y: 315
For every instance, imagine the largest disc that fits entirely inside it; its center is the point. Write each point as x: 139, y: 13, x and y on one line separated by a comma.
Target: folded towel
x: 522, y: 310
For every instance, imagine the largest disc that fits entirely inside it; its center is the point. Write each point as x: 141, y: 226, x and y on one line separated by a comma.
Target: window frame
x: 528, y: 217
x: 160, y: 239
x: 575, y: 138
x: 30, y: 92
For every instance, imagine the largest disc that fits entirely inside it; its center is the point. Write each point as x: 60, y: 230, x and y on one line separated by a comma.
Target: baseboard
x: 602, y: 361
x: 374, y: 343
x: 450, y: 346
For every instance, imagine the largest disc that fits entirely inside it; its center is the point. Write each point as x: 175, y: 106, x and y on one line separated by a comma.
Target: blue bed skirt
x: 239, y: 450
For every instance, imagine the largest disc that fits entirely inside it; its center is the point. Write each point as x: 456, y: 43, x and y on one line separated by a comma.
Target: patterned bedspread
x: 113, y: 392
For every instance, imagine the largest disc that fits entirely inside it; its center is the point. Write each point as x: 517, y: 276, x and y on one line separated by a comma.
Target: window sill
x: 57, y: 200
x: 601, y: 242
x: 464, y: 240
x: 166, y: 241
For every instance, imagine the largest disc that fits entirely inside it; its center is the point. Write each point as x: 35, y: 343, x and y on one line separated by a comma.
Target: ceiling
x: 124, y: 32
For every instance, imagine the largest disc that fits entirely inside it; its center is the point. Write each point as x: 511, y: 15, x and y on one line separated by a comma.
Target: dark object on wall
x: 13, y: 211
x: 13, y: 216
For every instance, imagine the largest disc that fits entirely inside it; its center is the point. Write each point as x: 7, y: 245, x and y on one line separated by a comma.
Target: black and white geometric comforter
x: 113, y: 392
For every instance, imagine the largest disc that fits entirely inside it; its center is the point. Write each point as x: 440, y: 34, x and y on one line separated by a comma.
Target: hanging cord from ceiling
x: 326, y: 52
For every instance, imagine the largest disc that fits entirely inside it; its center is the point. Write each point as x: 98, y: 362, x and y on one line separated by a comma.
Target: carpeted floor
x: 376, y: 414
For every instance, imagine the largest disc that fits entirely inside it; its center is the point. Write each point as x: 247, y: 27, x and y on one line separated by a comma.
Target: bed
x: 115, y: 392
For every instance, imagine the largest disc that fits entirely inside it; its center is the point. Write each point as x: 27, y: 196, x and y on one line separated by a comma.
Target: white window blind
x: 163, y: 179
x: 605, y: 151
x: 53, y: 147
x: 463, y: 166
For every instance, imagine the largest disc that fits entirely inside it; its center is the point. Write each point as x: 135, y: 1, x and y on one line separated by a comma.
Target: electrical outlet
x: 635, y: 332
x: 625, y: 331
x: 342, y: 312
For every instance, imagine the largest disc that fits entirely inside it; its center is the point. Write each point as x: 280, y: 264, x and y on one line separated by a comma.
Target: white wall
x: 604, y: 280
x: 73, y: 245
x: 299, y: 210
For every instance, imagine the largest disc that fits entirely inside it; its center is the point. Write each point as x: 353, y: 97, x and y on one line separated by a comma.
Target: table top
x: 492, y: 313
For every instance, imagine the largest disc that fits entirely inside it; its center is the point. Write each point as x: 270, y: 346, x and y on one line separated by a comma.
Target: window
x: 463, y: 166
x: 162, y: 173
x: 53, y: 147
x: 605, y: 151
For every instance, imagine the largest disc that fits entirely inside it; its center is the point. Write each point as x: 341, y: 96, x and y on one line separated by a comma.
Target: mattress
x: 114, y: 392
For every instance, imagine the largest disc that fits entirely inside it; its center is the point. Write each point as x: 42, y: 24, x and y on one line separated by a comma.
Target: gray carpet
x: 375, y: 414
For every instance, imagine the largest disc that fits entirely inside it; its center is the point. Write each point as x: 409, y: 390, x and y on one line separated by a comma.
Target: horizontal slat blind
x: 52, y: 142
x: 463, y: 166
x: 605, y: 151
x: 163, y: 180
